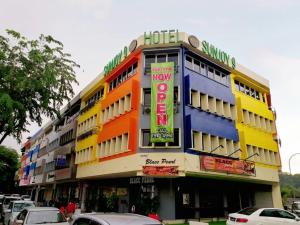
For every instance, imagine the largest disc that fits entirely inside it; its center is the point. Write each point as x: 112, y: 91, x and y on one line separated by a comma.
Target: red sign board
x: 160, y: 170
x: 225, y: 165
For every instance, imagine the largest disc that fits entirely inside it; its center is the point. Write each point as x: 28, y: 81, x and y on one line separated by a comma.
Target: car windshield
x: 247, y: 211
x: 45, y: 216
x: 19, y: 206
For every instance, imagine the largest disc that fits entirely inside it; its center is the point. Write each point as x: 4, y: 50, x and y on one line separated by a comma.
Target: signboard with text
x: 162, y: 79
x: 160, y: 170
x: 219, y: 164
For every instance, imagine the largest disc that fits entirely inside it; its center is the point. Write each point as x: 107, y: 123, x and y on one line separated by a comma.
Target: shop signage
x: 219, y: 164
x: 63, y: 174
x: 160, y: 162
x: 162, y: 79
x: 116, y: 60
x: 161, y: 37
x: 218, y: 54
x: 160, y: 170
x: 141, y: 180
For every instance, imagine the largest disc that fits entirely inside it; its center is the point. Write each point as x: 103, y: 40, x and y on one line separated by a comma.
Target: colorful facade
x: 218, y: 153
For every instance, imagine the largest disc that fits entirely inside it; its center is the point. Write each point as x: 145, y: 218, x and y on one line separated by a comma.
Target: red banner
x: 160, y: 170
x: 225, y: 165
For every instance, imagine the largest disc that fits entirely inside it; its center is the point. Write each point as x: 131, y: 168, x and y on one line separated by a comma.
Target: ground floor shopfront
x: 174, y: 198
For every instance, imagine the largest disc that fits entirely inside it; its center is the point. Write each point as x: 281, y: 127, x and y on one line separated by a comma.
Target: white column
x: 83, y: 197
x: 276, y: 196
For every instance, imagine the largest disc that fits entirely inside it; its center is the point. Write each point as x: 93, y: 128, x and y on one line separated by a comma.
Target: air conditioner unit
x: 147, y: 109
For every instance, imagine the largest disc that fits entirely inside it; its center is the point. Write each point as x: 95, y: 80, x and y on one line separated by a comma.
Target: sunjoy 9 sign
x: 162, y: 79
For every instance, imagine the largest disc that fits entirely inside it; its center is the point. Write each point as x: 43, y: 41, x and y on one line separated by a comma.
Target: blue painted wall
x: 199, y: 120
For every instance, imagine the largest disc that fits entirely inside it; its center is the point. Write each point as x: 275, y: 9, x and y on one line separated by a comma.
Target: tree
x: 36, y: 78
x: 9, y: 164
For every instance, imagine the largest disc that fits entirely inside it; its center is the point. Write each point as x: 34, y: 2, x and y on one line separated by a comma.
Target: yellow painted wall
x: 95, y: 110
x: 250, y: 135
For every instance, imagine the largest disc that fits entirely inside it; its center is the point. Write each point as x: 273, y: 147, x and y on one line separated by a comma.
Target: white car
x: 113, y: 219
x: 40, y: 215
x: 14, y: 208
x: 263, y: 216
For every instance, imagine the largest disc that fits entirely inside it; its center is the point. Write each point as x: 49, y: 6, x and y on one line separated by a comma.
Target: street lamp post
x: 291, y: 171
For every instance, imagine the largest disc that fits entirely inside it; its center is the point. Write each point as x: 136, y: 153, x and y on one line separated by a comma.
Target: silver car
x: 14, y: 209
x: 40, y: 215
x: 6, y: 202
x: 113, y: 219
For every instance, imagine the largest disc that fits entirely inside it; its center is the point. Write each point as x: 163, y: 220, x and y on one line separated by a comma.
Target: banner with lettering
x: 162, y: 79
x: 225, y: 165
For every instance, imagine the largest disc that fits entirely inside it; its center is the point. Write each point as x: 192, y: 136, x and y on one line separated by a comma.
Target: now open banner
x: 162, y: 95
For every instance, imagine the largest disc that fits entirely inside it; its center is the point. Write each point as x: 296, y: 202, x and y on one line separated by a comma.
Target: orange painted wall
x: 127, y: 122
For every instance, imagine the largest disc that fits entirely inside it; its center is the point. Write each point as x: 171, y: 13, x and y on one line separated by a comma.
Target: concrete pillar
x: 37, y: 194
x: 225, y: 204
x: 83, y: 197
x: 276, y: 196
x: 197, y: 203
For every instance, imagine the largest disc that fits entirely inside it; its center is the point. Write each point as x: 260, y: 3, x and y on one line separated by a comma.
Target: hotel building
x: 173, y: 125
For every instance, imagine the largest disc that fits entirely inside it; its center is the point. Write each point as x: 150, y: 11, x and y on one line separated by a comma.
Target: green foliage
x: 36, y: 78
x: 290, y: 185
x: 9, y: 164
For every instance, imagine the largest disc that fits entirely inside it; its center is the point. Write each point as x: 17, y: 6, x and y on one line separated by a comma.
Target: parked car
x: 15, y: 207
x: 40, y: 215
x: 113, y: 219
x: 26, y: 197
x: 263, y: 216
x: 296, y: 208
x: 5, y: 204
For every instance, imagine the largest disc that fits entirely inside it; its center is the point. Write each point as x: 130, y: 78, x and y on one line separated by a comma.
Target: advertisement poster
x: 225, y: 165
x: 162, y: 79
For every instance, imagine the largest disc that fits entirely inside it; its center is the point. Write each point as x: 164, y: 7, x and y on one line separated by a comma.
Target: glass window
x: 224, y: 78
x: 210, y: 72
x: 124, y: 76
x: 161, y: 58
x: 146, y: 138
x: 252, y: 92
x: 189, y: 62
x: 176, y: 138
x: 196, y: 65
x: 135, y: 67
x: 173, y: 58
x: 147, y: 96
x: 217, y: 76
x: 257, y: 95
x: 242, y: 87
x: 247, y: 90
x: 45, y: 216
x: 203, y: 69
x: 18, y: 207
x: 148, y: 60
x: 129, y: 71
x: 247, y: 211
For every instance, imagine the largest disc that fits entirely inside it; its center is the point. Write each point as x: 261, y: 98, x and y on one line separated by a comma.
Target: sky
x: 263, y: 35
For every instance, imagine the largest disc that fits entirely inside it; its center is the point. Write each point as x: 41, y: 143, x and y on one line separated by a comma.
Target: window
x: 147, y: 97
x: 123, y: 76
x: 248, y: 91
x: 159, y: 58
x: 189, y: 62
x: 82, y: 221
x: 210, y: 73
x: 145, y: 139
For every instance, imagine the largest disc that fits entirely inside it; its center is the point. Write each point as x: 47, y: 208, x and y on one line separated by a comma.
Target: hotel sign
x: 218, y: 54
x: 161, y: 37
x: 162, y: 79
x: 219, y: 164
